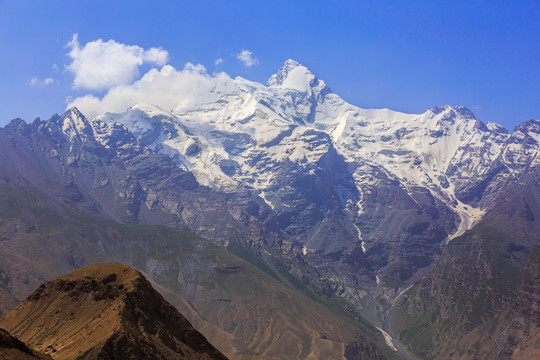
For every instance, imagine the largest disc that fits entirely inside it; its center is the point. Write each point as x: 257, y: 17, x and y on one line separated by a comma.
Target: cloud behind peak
x: 99, y: 65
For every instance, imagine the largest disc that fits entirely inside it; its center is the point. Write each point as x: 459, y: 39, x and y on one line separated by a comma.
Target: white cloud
x: 246, y: 57
x: 197, y: 68
x: 100, y: 65
x: 168, y: 88
x: 55, y: 67
x: 37, y: 82
x: 218, y: 61
x: 157, y: 56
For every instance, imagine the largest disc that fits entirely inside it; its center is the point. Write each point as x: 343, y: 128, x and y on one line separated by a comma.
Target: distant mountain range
x: 418, y: 224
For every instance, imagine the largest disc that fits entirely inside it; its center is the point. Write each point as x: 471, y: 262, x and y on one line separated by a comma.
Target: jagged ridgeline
x: 349, y: 206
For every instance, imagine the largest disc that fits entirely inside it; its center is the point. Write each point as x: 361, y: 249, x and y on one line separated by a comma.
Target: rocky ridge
x: 105, y: 311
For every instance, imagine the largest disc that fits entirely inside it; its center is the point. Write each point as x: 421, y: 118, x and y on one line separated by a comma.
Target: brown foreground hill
x: 105, y: 311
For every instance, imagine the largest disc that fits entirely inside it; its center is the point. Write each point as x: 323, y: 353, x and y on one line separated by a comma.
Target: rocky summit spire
x: 292, y: 75
x: 75, y: 124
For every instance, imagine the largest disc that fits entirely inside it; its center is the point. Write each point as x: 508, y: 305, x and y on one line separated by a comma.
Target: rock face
x: 105, y: 311
x: 101, y: 168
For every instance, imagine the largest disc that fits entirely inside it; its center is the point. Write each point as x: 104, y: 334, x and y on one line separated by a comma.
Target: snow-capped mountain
x: 238, y: 134
x: 365, y: 186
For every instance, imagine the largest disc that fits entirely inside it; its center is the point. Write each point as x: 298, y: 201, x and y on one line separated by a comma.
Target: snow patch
x: 387, y: 339
x: 469, y: 216
x: 402, y: 292
x: 362, y: 243
x: 299, y: 78
x: 262, y: 195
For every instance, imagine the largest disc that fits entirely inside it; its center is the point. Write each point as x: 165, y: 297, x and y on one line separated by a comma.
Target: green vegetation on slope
x: 474, y: 277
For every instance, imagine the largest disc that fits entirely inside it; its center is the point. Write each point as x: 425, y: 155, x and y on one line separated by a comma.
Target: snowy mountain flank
x: 239, y: 134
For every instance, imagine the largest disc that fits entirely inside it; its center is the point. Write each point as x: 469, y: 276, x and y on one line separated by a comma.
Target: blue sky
x: 403, y: 55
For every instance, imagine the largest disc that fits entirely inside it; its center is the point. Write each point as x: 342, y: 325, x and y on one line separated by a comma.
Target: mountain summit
x: 105, y: 311
x: 292, y: 75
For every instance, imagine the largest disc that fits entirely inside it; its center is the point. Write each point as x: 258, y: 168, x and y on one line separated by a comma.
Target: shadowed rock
x: 12, y: 348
